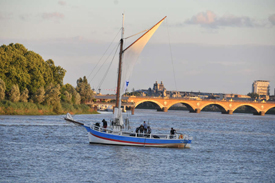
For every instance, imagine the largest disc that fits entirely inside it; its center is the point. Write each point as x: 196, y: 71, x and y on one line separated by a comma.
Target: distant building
x: 236, y: 97
x: 261, y: 87
x: 158, y: 87
x: 158, y: 90
x: 175, y: 94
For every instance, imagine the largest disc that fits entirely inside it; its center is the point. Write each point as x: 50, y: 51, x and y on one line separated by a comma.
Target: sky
x: 217, y: 46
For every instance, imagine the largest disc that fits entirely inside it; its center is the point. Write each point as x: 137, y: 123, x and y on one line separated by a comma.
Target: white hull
x: 97, y: 137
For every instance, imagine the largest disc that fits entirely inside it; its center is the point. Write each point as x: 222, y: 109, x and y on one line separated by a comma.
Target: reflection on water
x: 225, y: 148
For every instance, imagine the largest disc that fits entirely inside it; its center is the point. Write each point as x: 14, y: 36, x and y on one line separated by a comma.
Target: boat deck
x: 139, y: 135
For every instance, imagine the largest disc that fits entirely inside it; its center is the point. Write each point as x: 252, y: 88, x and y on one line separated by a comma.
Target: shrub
x: 24, y: 95
x: 2, y: 89
x: 14, y: 93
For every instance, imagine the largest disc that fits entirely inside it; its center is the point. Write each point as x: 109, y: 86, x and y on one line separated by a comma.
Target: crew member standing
x: 172, y: 133
x: 145, y: 127
x: 104, y: 123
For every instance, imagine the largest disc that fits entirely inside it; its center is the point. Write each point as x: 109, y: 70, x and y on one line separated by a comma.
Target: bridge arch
x: 245, y: 104
x: 269, y: 108
x: 222, y: 107
x: 146, y: 100
x: 189, y: 106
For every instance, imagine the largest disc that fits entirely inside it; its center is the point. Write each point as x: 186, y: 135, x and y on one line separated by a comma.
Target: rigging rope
x: 136, y: 34
x: 103, y: 55
x: 171, y: 57
x: 101, y: 65
x: 101, y: 82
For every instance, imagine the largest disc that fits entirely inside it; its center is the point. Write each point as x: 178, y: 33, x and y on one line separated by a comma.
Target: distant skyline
x: 216, y: 46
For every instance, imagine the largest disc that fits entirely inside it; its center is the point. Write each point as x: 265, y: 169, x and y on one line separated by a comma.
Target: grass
x: 27, y: 108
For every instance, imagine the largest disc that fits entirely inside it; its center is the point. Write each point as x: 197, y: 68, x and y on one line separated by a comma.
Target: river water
x: 225, y: 148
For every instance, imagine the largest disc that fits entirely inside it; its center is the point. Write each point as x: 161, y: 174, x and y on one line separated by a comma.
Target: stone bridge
x: 195, y: 106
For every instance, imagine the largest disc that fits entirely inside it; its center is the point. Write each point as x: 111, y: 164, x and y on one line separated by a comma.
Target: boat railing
x: 100, y: 129
x: 142, y: 135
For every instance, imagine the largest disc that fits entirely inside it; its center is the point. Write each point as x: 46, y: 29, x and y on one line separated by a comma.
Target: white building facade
x: 261, y: 87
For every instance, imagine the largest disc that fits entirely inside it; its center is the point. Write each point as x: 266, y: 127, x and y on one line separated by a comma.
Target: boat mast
x: 118, y: 95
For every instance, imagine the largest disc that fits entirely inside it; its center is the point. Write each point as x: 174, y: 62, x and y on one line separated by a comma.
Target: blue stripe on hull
x: 137, y: 140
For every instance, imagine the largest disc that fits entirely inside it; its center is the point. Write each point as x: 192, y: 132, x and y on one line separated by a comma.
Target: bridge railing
x: 199, y: 99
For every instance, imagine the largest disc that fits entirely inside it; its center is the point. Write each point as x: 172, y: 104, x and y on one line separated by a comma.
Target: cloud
x: 202, y: 18
x: 234, y: 21
x: 54, y: 15
x: 62, y: 3
x: 211, y: 20
x: 271, y: 18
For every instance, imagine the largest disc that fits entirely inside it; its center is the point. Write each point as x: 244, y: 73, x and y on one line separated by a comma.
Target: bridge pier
x: 164, y: 109
x: 132, y: 110
x: 195, y: 111
x: 262, y: 113
x: 228, y: 112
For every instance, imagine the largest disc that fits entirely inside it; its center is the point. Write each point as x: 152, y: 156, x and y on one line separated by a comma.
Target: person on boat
x: 137, y: 129
x: 141, y: 128
x: 97, y: 125
x: 145, y: 127
x: 172, y: 133
x: 104, y: 123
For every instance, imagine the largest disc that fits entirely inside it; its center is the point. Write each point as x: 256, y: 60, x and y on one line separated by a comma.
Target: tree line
x: 26, y: 77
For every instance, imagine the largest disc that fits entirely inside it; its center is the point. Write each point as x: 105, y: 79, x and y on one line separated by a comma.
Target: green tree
x: 39, y: 95
x: 27, y: 69
x: 24, y: 95
x: 2, y: 89
x: 58, y: 72
x: 36, y: 69
x: 14, y: 93
x: 67, y: 97
x: 253, y: 95
x: 77, y: 99
x: 71, y: 90
x: 13, y: 66
x: 52, y: 93
x: 135, y: 94
x: 52, y: 97
x: 84, y: 89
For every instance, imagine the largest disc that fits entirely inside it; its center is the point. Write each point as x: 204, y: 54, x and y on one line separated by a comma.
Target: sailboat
x: 118, y: 132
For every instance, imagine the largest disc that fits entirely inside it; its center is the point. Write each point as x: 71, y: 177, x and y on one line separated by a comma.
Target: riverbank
x: 26, y: 108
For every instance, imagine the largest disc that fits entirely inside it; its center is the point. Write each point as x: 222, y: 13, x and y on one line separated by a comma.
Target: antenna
x: 122, y: 31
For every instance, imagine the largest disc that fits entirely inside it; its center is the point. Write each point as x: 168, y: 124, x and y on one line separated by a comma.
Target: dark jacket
x: 172, y: 132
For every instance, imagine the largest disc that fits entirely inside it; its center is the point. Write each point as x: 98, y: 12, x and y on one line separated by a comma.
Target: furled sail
x: 131, y: 54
